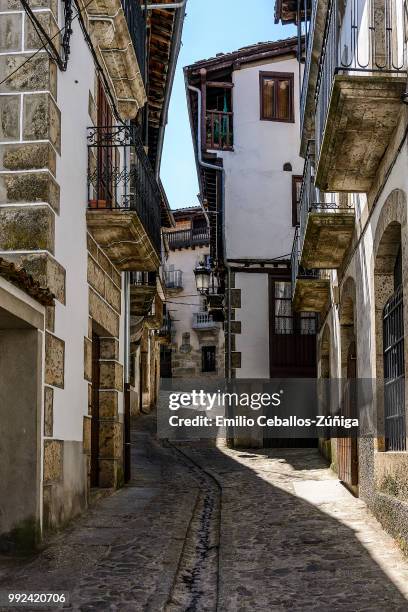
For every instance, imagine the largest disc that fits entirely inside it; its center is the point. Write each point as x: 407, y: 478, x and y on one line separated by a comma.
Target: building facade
x: 244, y: 112
x: 197, y: 347
x: 84, y: 94
x: 349, y: 257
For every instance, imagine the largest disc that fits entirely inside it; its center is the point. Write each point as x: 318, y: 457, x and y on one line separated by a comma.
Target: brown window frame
x: 296, y: 178
x: 278, y: 76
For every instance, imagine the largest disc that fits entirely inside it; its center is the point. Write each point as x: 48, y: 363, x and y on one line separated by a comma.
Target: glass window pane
x: 268, y: 98
x: 283, y: 105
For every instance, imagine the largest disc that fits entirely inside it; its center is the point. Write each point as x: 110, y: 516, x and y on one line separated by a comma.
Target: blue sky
x: 211, y: 27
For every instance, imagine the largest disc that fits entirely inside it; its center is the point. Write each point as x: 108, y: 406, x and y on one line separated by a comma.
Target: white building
x: 81, y: 206
x: 244, y: 109
x: 197, y: 347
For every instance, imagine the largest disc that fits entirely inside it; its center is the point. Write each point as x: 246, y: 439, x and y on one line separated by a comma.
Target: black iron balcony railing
x: 361, y: 37
x: 308, y: 61
x: 188, y: 238
x: 143, y: 279
x: 120, y: 176
x: 311, y: 199
x: 173, y: 279
x: 137, y: 29
x: 219, y: 130
x: 297, y: 270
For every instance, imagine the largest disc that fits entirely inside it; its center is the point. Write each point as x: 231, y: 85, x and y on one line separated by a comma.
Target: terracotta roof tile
x: 20, y: 278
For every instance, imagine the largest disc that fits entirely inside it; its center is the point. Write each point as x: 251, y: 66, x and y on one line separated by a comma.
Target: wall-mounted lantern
x: 202, y: 277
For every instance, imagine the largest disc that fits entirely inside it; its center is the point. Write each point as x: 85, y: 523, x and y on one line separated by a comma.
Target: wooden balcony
x: 143, y: 287
x: 219, y: 132
x: 123, y: 199
x: 359, y: 88
x: 188, y: 238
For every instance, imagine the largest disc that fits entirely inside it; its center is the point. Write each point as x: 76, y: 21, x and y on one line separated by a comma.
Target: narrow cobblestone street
x: 216, y: 529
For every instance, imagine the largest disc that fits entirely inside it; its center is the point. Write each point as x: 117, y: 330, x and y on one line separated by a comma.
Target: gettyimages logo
x: 209, y: 401
x: 281, y: 408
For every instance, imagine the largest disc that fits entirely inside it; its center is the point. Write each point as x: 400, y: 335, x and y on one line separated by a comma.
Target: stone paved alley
x: 255, y: 531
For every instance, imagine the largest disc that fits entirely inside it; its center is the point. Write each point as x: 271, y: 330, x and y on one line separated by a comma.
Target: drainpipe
x: 172, y: 5
x: 221, y: 170
x: 126, y: 298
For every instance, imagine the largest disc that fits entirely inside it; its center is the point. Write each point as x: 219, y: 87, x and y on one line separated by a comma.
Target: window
x: 208, y: 359
x: 283, y: 308
x: 296, y: 187
x: 285, y: 320
x: 276, y: 96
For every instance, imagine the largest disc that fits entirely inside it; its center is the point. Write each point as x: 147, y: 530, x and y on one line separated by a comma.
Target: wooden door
x: 96, y: 353
x: 347, y: 448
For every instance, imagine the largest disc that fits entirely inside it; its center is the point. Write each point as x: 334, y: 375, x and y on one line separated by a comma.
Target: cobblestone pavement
x: 284, y: 534
x: 123, y: 553
x: 293, y: 538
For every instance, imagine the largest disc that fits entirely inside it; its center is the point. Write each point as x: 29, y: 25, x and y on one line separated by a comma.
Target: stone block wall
x: 30, y: 141
x: 105, y: 296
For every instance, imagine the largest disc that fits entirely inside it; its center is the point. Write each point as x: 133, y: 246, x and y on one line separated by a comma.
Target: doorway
x: 347, y: 448
x: 20, y: 425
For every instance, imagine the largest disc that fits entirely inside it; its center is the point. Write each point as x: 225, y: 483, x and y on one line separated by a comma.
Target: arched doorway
x: 325, y: 446
x: 347, y: 448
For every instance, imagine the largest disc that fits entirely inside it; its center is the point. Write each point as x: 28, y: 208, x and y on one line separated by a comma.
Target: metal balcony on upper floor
x: 310, y: 287
x: 123, y: 198
x: 361, y: 77
x: 173, y: 280
x: 136, y: 22
x: 326, y: 227
x: 143, y: 288
x: 203, y: 321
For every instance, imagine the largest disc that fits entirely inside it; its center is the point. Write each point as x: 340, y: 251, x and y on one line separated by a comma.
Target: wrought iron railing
x: 360, y: 38
x: 173, y: 279
x: 165, y: 330
x: 188, y: 238
x: 219, y: 129
x: 308, y: 61
x: 143, y: 279
x: 137, y: 29
x: 297, y: 271
x: 311, y: 200
x: 202, y: 320
x: 394, y: 373
x: 120, y: 176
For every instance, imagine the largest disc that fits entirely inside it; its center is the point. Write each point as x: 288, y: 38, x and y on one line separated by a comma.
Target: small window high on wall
x: 276, y: 96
